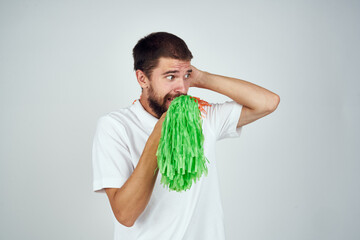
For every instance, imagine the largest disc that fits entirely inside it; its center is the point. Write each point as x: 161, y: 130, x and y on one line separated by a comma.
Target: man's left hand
x: 196, y: 77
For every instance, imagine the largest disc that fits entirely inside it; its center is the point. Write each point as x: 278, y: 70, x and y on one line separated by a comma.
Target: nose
x: 180, y: 87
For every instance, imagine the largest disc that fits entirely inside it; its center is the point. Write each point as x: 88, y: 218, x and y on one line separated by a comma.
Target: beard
x: 159, y: 106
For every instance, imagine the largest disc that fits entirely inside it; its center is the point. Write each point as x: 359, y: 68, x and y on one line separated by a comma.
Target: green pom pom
x: 180, y: 154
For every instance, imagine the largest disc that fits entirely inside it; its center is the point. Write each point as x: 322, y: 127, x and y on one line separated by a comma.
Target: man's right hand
x: 163, y: 116
x: 158, y: 125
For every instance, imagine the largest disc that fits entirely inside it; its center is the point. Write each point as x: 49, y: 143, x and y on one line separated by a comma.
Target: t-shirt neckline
x: 144, y: 116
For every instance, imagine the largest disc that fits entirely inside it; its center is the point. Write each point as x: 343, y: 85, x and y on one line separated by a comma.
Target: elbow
x: 274, y: 103
x: 125, y: 220
x: 127, y: 223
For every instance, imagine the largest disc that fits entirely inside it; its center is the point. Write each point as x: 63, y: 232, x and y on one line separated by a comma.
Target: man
x: 126, y: 140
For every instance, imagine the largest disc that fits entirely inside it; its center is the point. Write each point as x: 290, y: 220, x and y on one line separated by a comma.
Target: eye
x: 170, y: 77
x: 187, y: 75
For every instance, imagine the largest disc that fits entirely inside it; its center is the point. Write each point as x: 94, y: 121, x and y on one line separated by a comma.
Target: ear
x: 142, y: 79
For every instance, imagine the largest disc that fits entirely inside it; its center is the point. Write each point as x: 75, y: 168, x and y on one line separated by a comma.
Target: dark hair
x: 150, y: 48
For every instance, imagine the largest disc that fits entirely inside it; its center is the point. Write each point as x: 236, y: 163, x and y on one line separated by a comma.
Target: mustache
x: 174, y: 96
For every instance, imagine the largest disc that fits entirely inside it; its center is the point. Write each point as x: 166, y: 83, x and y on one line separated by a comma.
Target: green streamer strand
x: 180, y: 154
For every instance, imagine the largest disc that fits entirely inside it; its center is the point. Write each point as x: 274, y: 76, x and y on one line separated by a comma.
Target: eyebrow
x: 175, y: 71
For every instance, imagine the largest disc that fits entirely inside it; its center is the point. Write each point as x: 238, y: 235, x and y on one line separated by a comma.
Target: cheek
x: 160, y: 90
x: 188, y: 82
x: 166, y: 89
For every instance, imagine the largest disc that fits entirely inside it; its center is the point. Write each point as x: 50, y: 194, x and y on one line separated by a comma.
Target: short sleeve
x: 222, y: 118
x: 111, y: 158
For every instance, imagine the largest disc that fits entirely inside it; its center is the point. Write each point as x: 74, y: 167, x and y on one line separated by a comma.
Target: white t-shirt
x: 195, y: 214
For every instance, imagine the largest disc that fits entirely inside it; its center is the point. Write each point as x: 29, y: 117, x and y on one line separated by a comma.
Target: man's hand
x: 158, y: 126
x: 161, y: 119
x: 163, y: 116
x: 196, y: 77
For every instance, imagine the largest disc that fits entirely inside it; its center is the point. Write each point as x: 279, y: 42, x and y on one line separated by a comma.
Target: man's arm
x: 129, y: 201
x: 257, y: 101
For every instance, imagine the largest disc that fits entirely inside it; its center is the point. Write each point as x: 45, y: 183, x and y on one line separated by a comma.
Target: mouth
x: 170, y: 99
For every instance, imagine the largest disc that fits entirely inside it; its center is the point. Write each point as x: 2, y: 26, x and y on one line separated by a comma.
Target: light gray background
x: 293, y: 174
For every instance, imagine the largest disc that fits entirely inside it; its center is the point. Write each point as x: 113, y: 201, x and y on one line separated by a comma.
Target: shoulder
x: 221, y: 108
x: 116, y: 120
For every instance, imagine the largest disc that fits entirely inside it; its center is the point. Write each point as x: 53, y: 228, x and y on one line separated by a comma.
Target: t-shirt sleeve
x: 111, y: 158
x: 223, y: 118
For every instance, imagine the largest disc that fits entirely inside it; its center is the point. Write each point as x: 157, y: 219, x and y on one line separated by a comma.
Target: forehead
x: 171, y: 63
